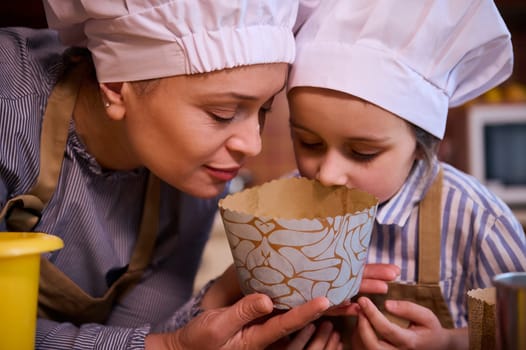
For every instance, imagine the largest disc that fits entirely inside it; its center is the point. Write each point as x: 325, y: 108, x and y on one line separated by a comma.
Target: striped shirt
x: 480, y: 235
x: 95, y: 212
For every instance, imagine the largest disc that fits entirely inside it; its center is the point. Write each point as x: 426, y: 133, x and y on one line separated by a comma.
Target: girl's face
x: 342, y: 140
x: 196, y: 131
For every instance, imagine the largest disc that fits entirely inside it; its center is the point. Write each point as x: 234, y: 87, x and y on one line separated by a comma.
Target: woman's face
x: 196, y: 131
x: 341, y: 140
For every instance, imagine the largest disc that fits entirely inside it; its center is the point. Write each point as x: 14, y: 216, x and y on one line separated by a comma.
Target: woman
x: 135, y: 152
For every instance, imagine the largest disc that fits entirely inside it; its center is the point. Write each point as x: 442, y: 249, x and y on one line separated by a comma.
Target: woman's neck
x: 105, y: 139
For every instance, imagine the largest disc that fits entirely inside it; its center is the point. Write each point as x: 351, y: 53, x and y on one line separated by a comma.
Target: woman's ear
x: 112, y: 100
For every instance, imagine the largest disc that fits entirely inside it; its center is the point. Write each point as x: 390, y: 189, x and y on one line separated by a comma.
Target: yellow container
x: 19, y: 275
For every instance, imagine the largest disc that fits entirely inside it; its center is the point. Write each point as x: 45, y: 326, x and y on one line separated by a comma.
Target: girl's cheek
x: 304, y: 170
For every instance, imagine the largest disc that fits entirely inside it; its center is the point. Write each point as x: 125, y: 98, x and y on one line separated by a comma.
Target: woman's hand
x: 224, y: 291
x: 248, y: 324
x: 375, y: 331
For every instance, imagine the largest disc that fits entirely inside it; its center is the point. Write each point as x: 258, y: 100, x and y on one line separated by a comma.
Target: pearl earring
x: 107, y: 104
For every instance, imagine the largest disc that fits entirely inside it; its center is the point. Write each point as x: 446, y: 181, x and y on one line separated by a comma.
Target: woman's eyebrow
x: 243, y: 96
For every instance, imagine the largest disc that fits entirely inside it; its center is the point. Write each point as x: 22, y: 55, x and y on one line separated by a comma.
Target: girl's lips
x: 222, y: 174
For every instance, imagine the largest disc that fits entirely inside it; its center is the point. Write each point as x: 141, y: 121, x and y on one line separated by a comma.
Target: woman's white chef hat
x: 145, y: 39
x: 414, y: 58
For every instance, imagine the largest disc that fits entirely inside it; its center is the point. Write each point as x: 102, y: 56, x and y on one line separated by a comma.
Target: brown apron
x: 60, y: 299
x: 426, y: 291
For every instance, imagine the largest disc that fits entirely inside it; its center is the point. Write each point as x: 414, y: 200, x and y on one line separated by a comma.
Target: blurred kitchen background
x: 277, y: 158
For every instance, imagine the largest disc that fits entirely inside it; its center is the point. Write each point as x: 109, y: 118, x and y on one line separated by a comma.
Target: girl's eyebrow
x: 292, y: 124
x: 353, y: 139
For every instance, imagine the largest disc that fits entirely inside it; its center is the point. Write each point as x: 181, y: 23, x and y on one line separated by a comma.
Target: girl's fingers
x: 301, y: 339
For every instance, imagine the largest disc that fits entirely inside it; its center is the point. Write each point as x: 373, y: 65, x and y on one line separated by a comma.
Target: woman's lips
x: 226, y: 174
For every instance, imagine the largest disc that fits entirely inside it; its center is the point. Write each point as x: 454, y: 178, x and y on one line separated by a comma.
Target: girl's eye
x: 363, y: 157
x: 311, y: 144
x: 306, y: 141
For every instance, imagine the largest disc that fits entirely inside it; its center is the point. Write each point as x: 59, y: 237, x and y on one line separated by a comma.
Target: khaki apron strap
x: 149, y: 226
x: 22, y: 213
x: 70, y: 303
x: 427, y: 291
x: 429, y: 228
x: 55, y: 132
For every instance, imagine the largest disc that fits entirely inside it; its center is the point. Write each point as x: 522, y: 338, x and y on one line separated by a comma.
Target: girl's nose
x: 332, y: 170
x: 247, y: 138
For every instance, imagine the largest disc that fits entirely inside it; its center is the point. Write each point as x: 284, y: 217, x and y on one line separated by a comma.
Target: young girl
x: 369, y: 93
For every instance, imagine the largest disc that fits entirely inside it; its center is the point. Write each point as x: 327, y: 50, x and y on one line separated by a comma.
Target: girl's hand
x: 376, y: 276
x: 375, y: 331
x: 374, y: 281
x: 311, y: 337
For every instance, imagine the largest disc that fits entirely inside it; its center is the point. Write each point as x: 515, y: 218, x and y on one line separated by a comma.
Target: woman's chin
x: 206, y: 190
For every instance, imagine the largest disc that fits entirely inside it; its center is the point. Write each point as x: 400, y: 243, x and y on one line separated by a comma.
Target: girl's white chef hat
x: 135, y: 39
x: 415, y: 58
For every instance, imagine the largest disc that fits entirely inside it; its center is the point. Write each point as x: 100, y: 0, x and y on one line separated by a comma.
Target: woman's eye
x: 262, y: 118
x: 262, y: 113
x: 221, y: 118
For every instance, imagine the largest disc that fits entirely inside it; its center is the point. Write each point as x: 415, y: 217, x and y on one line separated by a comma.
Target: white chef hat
x: 414, y: 58
x: 145, y: 39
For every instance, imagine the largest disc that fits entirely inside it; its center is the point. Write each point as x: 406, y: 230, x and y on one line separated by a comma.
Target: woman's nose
x: 332, y: 170
x: 247, y: 138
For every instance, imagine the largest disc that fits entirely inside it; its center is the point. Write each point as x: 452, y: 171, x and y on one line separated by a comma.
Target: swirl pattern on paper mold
x: 294, y: 261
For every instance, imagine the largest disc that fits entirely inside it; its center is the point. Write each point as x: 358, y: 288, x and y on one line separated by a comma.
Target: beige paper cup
x: 481, y: 316
x: 294, y: 239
